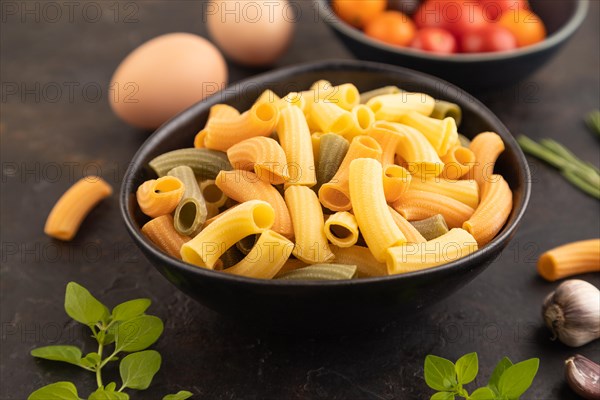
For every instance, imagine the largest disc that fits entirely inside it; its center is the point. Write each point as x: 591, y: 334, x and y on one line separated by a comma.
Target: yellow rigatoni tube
x: 370, y: 208
x: 213, y: 196
x: 249, y: 218
x: 328, y: 117
x: 162, y: 233
x: 294, y: 137
x: 465, y: 191
x: 396, y: 181
x: 341, y: 229
x: 218, y: 111
x: 367, y: 265
x: 268, y: 96
x: 262, y: 155
x: 570, y: 259
x: 458, y: 161
x: 391, y: 107
x: 335, y: 194
x: 455, y: 244
x: 411, y: 233
x: 222, y: 133
x: 267, y: 257
x: 160, y: 196
x: 70, y: 210
x: 416, y: 205
x: 293, y: 99
x: 492, y: 212
x: 363, y: 119
x: 309, y: 226
x: 486, y: 146
x: 442, y: 134
x: 420, y: 156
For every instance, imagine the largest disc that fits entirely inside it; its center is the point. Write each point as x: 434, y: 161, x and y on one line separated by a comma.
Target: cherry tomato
x: 455, y: 16
x: 527, y: 27
x: 391, y: 27
x: 494, y: 9
x: 358, y: 12
x: 436, y: 40
x: 489, y: 38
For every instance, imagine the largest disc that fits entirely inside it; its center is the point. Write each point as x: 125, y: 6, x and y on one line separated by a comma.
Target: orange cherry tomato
x: 527, y: 27
x: 392, y: 27
x: 358, y: 12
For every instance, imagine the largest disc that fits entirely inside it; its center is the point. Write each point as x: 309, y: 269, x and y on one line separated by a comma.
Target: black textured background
x: 48, y: 140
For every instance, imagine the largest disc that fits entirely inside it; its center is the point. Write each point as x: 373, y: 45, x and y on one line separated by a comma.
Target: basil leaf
x: 483, y: 393
x: 109, y: 334
x: 138, y: 369
x: 138, y: 333
x: 442, y: 396
x: 181, y: 395
x: 502, y: 366
x: 439, y: 373
x: 68, y: 354
x: 110, y: 387
x: 103, y: 394
x: 82, y: 306
x: 130, y: 309
x: 91, y: 360
x: 55, y: 391
x: 467, y: 368
x: 518, y: 378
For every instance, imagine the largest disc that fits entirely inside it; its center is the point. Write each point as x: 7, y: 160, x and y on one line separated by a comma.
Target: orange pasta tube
x: 416, y: 205
x: 294, y: 137
x: 570, y: 259
x: 465, y: 191
x: 341, y: 229
x: 243, y: 186
x: 396, y: 181
x: 160, y: 196
x: 262, y: 155
x: 370, y: 208
x: 411, y: 233
x: 492, y: 212
x: 218, y: 111
x: 486, y: 146
x: 335, y: 194
x: 388, y: 137
x: 162, y: 233
x: 69, y: 211
x: 367, y: 265
x: 222, y: 133
x: 457, y: 162
x: 315, y: 139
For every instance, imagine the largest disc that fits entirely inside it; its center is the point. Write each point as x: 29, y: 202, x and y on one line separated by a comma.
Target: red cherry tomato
x: 436, y: 40
x: 493, y: 9
x: 489, y: 38
x: 457, y: 16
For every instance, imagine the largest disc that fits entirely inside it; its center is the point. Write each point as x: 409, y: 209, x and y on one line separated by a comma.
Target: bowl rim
x: 479, y: 256
x: 563, y: 33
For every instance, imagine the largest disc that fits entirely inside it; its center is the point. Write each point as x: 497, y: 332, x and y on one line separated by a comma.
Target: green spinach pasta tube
x: 432, y: 227
x: 205, y: 163
x: 443, y: 109
x: 191, y: 211
x: 321, y: 272
x: 332, y: 150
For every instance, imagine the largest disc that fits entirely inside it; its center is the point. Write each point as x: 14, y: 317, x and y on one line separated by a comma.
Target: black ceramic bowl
x: 287, y: 305
x: 474, y: 72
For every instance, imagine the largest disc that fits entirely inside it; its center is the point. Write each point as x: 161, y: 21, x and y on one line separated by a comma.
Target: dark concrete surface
x: 50, y: 138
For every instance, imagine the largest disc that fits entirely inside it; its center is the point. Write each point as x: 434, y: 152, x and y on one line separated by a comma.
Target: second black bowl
x: 293, y: 306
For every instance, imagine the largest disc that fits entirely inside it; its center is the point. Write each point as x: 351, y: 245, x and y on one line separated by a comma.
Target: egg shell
x: 252, y: 33
x: 164, y: 76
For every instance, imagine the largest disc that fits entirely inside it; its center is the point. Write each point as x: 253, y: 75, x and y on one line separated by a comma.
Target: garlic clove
x: 572, y: 312
x: 583, y: 376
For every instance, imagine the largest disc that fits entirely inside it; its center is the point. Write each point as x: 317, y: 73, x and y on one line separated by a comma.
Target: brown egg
x: 164, y: 76
x: 253, y: 33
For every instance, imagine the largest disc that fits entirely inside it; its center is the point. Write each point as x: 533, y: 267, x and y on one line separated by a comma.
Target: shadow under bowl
x: 294, y: 306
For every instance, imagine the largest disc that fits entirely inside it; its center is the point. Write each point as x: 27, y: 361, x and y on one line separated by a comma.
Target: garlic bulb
x: 583, y: 376
x: 572, y: 312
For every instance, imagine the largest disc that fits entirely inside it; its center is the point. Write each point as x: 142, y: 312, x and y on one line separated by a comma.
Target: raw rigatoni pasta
x: 266, y: 258
x: 388, y: 137
x: 363, y: 119
x: 205, y: 163
x: 332, y: 150
x: 345, y: 96
x: 243, y: 186
x: 223, y: 111
x: 162, y: 233
x: 455, y: 244
x: 341, y: 229
x: 294, y: 137
x: 249, y: 218
x: 321, y: 272
x: 213, y: 195
x: 262, y: 155
x: 309, y: 226
x: 442, y: 134
x: 335, y: 194
x: 160, y: 196
x: 366, y: 96
x: 419, y: 155
x: 570, y: 259
x: 492, y: 212
x: 411, y: 234
x: 486, y: 146
x: 431, y: 227
x: 70, y: 210
x: 367, y: 265
x: 458, y: 161
x: 391, y: 107
x: 465, y: 191
x: 191, y: 212
x: 370, y: 208
x: 396, y: 181
x: 415, y: 205
x: 445, y: 109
